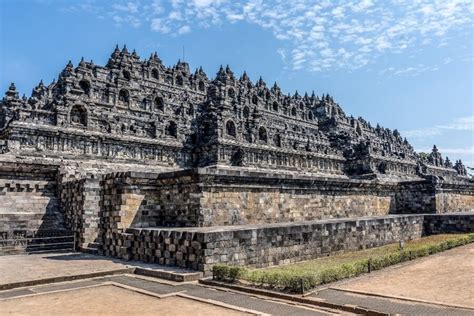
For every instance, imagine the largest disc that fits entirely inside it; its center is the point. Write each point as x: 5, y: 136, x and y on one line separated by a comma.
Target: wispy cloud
x: 451, y: 151
x: 410, y: 71
x: 459, y: 124
x: 317, y: 36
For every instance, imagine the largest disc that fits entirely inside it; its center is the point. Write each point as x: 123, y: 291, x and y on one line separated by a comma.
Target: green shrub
x: 220, y: 272
x: 235, y: 273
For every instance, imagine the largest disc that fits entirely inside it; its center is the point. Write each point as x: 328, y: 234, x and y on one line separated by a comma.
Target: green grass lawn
x: 303, y: 276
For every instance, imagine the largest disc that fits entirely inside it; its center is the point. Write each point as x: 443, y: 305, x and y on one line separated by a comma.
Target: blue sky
x: 402, y: 63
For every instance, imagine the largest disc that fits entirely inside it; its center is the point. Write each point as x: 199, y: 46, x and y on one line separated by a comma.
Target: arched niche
x: 246, y: 112
x: 159, y: 104
x: 78, y: 115
x: 126, y: 74
x: 85, y: 86
x: 201, y: 86
x: 172, y: 129
x: 179, y: 80
x: 155, y: 74
x: 230, y: 128
x: 262, y: 134
x: 275, y: 106
x: 254, y: 99
x: 231, y: 93
x: 124, y: 96
x: 277, y: 140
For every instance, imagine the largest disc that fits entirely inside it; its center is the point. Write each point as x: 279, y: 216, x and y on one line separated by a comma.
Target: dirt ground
x: 108, y: 300
x: 447, y: 278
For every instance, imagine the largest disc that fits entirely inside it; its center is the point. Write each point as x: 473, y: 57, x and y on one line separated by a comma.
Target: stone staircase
x: 22, y: 232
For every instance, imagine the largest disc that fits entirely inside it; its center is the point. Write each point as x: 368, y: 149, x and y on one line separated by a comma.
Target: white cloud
x: 447, y: 151
x: 204, y: 3
x: 184, y: 29
x: 333, y: 34
x: 409, y: 71
x: 129, y: 7
x: 159, y: 25
x: 458, y: 124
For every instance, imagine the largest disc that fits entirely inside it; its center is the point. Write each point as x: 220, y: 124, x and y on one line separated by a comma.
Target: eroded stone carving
x: 141, y: 110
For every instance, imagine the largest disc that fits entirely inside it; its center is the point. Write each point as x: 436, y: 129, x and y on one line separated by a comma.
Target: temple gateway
x: 160, y: 164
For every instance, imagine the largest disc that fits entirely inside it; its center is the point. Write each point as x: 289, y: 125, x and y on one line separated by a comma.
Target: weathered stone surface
x: 449, y: 223
x: 216, y: 196
x: 133, y: 109
x: 134, y: 145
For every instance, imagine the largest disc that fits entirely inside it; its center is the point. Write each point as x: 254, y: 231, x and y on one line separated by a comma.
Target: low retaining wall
x: 448, y: 223
x: 259, y: 245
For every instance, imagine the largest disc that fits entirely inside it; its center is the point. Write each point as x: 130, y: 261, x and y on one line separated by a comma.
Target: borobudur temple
x: 159, y: 164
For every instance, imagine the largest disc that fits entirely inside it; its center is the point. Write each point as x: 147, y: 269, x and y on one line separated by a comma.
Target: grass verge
x: 303, y: 276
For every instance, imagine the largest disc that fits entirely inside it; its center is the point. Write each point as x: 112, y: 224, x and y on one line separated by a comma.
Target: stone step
x: 89, y: 250
x: 36, y: 241
x: 177, y: 275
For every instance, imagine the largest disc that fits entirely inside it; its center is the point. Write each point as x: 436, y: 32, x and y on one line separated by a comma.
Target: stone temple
x: 159, y: 164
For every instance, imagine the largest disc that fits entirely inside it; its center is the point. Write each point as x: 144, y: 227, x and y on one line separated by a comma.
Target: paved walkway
x: 446, y: 278
x: 26, y: 268
x: 107, y: 300
x: 23, y: 268
x: 99, y: 292
x: 436, y: 285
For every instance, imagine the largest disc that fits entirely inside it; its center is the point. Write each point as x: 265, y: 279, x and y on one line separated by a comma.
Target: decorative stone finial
x: 11, y: 93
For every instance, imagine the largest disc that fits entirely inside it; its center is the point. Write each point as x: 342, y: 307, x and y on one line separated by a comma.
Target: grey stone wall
x: 416, y: 197
x: 149, y: 200
x: 434, y: 195
x: 28, y: 200
x: 208, y: 197
x: 449, y: 223
x: 81, y: 201
x: 260, y: 245
x: 231, y: 196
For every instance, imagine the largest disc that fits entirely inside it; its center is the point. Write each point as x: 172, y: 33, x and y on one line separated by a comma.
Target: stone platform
x: 265, y: 245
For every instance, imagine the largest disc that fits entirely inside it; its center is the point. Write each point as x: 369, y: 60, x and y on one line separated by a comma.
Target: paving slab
x: 445, y: 278
x: 38, y: 297
x: 25, y: 270
x: 109, y: 300
x: 441, y: 284
x: 391, y: 306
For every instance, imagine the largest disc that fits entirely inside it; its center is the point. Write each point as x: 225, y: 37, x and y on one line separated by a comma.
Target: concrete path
x: 445, y: 278
x: 21, y: 270
x: 441, y: 284
x: 98, y: 297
